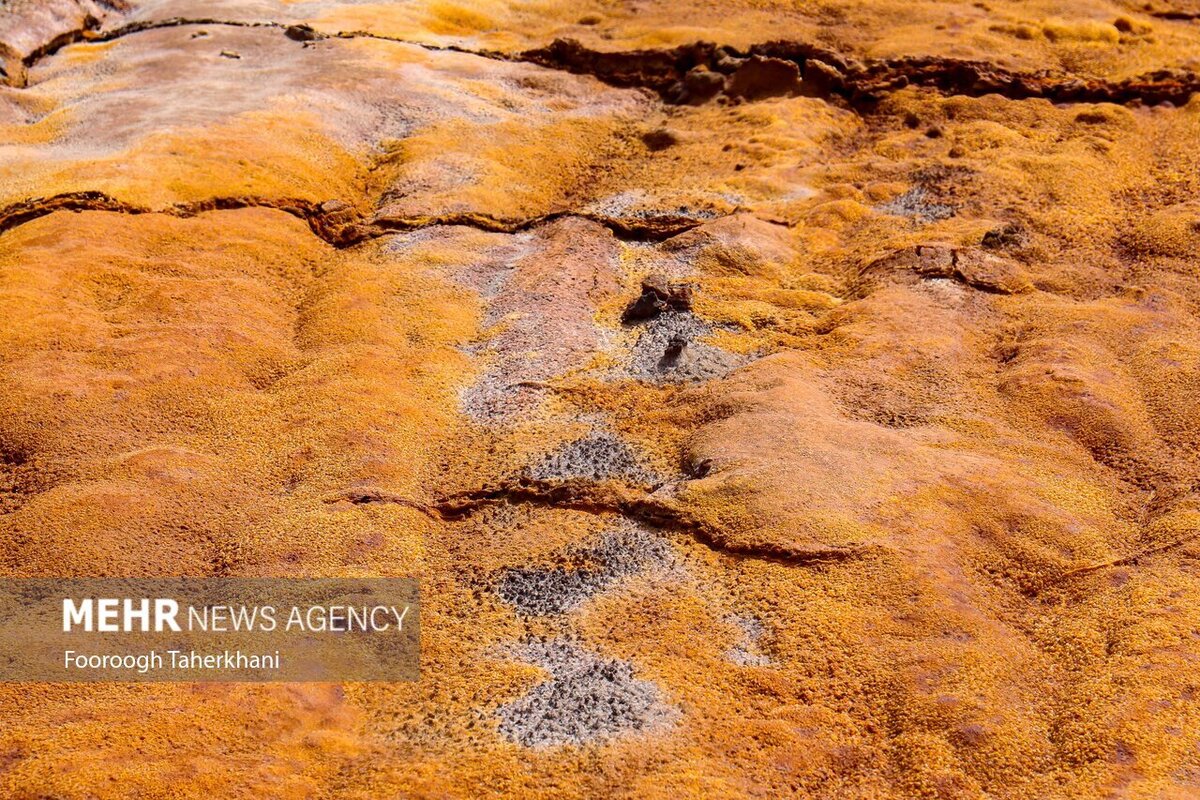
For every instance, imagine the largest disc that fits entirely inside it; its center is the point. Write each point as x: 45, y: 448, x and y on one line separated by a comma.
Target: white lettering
x: 77, y: 614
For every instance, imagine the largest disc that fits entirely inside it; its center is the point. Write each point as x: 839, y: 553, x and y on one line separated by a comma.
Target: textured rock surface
x: 902, y: 501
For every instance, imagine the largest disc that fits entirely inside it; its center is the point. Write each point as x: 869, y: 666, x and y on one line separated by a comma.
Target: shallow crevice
x: 640, y: 228
x: 1176, y: 15
x: 699, y: 72
x: 373, y: 496
x: 1122, y: 561
x: 318, y: 216
x: 92, y: 33
x: 297, y: 31
x: 336, y: 223
x: 638, y: 505
x: 970, y: 267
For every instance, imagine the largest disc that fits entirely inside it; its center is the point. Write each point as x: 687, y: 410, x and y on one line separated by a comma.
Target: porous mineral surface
x: 773, y: 399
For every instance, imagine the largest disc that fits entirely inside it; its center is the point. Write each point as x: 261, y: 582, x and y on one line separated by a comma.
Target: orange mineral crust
x: 771, y: 399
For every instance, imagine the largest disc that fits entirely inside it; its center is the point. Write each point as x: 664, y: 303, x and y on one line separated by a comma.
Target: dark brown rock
x: 658, y: 297
x: 761, y: 77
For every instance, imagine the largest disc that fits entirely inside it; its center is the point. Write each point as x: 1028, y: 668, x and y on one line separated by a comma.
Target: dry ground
x: 887, y: 488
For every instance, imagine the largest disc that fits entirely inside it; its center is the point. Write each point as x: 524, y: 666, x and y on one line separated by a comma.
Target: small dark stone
x: 821, y: 79
x: 934, y: 133
x: 335, y: 205
x: 674, y: 349
x: 694, y: 361
x: 759, y: 77
x: 658, y: 297
x: 1091, y: 117
x: 659, y: 139
x: 647, y: 306
x: 1006, y: 236
x: 301, y: 33
x: 700, y: 84
x: 727, y: 63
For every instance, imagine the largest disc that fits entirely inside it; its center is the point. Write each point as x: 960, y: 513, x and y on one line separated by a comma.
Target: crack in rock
x: 1175, y: 15
x: 654, y: 509
x: 699, y: 72
x: 969, y: 266
x: 1122, y: 561
x: 336, y: 222
x: 331, y: 221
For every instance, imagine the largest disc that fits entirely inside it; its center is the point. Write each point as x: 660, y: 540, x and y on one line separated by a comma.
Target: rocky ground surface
x: 812, y: 412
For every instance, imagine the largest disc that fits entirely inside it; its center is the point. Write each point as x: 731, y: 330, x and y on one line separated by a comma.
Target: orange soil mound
x: 900, y: 503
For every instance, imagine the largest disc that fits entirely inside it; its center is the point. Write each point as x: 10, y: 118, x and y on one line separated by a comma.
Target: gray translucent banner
x: 208, y: 629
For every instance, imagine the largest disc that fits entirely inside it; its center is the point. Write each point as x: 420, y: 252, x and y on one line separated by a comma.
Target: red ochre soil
x: 887, y: 489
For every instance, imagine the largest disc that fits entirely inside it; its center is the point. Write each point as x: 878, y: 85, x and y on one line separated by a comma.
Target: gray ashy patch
x: 669, y: 349
x: 621, y: 552
x: 748, y: 652
x: 915, y: 204
x: 600, y: 455
x: 638, y: 204
x: 587, y: 699
x: 496, y: 398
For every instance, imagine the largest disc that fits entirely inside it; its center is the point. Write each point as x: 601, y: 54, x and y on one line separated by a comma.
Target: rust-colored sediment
x: 772, y: 401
